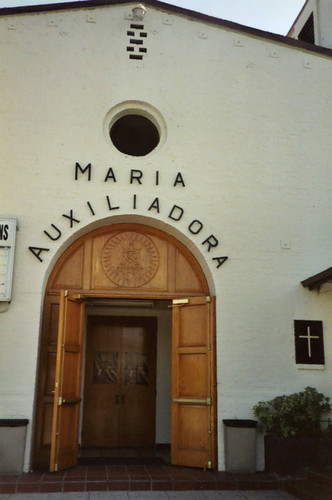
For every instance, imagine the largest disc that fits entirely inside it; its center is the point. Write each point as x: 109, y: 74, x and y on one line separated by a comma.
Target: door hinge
x: 56, y: 467
x: 60, y: 401
x: 208, y: 299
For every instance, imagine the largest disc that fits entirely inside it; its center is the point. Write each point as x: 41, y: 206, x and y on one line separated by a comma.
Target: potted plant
x: 294, y: 439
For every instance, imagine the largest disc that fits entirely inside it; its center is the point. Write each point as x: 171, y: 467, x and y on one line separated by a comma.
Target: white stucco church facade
x: 167, y: 174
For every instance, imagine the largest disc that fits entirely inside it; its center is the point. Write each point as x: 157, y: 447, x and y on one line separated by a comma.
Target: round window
x: 134, y: 135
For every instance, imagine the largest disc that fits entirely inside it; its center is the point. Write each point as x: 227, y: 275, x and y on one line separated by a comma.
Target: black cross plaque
x: 309, y: 345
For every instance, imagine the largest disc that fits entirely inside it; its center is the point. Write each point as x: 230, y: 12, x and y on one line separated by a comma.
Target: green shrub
x: 296, y: 415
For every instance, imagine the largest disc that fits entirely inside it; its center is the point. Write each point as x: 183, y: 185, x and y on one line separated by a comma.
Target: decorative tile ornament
x: 309, y: 345
x: 130, y: 259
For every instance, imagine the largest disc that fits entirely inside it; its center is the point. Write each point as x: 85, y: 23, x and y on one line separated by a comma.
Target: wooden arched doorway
x: 128, y: 262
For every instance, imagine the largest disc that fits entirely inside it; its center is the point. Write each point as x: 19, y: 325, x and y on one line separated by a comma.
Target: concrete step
x: 317, y: 486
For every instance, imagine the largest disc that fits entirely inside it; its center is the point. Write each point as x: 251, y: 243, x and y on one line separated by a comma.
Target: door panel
x: 65, y: 420
x: 190, y: 315
x: 101, y: 386
x: 195, y: 435
x: 193, y: 387
x: 120, y: 382
x: 138, y: 383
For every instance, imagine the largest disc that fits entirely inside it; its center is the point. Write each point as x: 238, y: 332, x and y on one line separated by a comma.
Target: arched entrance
x: 125, y: 266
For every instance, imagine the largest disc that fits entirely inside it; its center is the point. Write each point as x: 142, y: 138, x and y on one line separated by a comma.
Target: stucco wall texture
x: 245, y: 120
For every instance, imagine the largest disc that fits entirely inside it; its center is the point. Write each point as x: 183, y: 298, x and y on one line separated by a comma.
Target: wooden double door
x: 120, y: 362
x: 120, y: 382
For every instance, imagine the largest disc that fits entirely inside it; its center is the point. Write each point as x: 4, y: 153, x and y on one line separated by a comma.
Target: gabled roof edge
x: 316, y: 281
x: 298, y: 16
x: 86, y: 4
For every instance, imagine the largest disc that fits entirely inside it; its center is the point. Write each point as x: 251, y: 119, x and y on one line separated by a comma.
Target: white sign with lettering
x: 7, y: 250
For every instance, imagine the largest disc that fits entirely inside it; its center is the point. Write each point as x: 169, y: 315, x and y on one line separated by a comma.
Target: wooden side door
x: 65, y: 423
x: 193, y: 382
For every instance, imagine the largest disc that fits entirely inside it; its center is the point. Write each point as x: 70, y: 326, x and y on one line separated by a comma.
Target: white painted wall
x: 248, y: 126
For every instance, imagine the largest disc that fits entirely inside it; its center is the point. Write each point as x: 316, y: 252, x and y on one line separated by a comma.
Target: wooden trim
x: 57, y: 388
x: 173, y: 243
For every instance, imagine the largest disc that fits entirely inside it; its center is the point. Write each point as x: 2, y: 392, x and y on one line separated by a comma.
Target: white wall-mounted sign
x: 7, y: 250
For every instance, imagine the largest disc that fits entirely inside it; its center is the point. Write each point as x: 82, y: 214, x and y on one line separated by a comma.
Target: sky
x: 275, y: 16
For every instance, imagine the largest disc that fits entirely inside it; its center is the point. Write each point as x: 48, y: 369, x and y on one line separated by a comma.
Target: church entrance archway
x: 116, y: 301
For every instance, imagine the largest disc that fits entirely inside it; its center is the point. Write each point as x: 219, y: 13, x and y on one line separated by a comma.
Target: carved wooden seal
x: 130, y: 259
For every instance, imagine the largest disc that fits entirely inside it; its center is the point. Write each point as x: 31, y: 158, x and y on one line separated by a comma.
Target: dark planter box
x: 291, y: 457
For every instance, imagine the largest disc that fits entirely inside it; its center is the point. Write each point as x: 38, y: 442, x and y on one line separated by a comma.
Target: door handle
x: 69, y: 401
x: 207, y: 401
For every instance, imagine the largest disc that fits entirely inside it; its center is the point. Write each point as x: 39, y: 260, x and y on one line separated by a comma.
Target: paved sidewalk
x: 154, y: 495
